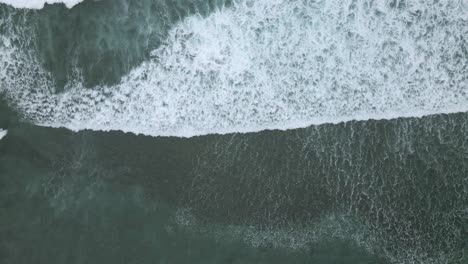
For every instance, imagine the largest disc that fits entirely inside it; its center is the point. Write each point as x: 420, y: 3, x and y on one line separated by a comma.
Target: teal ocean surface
x: 242, y: 131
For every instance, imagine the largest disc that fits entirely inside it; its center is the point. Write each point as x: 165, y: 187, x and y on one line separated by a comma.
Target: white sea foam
x: 38, y: 4
x: 275, y: 64
x: 3, y: 133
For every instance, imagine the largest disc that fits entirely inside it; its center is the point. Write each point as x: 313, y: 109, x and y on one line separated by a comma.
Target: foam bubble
x: 38, y: 4
x: 3, y: 133
x: 276, y: 64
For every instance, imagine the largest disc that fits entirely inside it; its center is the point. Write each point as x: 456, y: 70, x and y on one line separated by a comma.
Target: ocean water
x: 243, y: 131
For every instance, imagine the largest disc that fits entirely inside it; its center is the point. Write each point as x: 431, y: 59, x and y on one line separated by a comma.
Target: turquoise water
x: 162, y: 131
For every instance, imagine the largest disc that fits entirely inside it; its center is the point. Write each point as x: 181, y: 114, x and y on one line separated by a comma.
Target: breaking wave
x: 268, y: 64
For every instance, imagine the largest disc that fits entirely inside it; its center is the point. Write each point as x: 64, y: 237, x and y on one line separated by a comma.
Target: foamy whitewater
x: 268, y: 64
x: 38, y: 4
x: 3, y: 133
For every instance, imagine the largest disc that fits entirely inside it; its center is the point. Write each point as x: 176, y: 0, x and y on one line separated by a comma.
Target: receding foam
x: 38, y: 4
x: 3, y: 133
x: 272, y: 64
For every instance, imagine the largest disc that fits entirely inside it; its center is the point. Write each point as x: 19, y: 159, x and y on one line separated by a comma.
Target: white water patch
x: 38, y: 4
x: 3, y: 133
x: 276, y: 64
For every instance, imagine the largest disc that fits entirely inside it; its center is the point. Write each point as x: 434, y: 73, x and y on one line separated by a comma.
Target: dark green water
x: 372, y: 191
x: 95, y: 197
